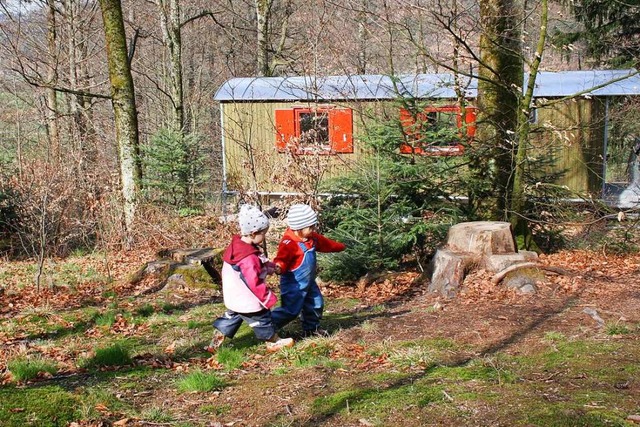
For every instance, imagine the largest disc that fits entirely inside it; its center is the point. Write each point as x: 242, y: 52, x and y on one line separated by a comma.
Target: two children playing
x: 245, y: 268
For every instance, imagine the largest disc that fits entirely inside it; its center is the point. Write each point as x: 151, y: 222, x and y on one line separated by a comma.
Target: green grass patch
x: 109, y: 294
x: 94, y: 396
x: 169, y: 308
x: 412, y: 354
x: 72, y: 274
x: 48, y: 406
x: 157, y: 415
x: 230, y: 358
x: 381, y: 401
x: 25, y: 369
x: 492, y: 370
x: 617, y: 329
x: 553, y: 336
x: 115, y: 355
x: 561, y: 416
x: 214, y: 409
x: 580, y: 353
x: 145, y: 310
x: 311, y: 352
x: 201, y: 382
x: 106, y: 319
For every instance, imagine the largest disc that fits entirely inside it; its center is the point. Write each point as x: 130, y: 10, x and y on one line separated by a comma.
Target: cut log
x: 499, y: 276
x: 183, y: 268
x: 496, y: 263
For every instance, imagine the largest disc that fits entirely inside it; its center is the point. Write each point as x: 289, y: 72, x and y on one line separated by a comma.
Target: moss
x: 195, y: 276
x: 559, y: 416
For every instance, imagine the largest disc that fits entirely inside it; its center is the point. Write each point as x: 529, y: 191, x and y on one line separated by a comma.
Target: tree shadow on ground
x: 362, y: 395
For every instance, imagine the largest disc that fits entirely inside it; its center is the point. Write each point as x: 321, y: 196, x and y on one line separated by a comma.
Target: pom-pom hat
x: 301, y: 216
x: 251, y: 220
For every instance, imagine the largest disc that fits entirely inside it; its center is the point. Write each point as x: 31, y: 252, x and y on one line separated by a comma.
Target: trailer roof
x: 424, y: 86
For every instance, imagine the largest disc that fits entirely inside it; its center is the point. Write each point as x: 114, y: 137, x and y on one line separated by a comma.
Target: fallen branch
x: 497, y: 278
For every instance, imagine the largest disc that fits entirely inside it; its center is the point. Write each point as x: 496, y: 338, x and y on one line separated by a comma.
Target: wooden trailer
x: 308, y: 126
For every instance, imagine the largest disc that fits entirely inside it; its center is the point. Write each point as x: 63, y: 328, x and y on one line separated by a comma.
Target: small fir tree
x: 175, y: 169
x: 396, y: 206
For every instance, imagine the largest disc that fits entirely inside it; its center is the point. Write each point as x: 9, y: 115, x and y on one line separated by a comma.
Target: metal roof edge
x: 371, y: 87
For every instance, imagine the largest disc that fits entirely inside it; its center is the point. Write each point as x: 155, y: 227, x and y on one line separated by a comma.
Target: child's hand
x: 271, y: 268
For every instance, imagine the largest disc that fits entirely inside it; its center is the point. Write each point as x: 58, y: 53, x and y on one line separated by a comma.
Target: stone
x: 524, y: 280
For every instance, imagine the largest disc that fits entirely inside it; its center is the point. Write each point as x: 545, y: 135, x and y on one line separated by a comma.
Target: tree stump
x: 480, y: 244
x: 183, y: 268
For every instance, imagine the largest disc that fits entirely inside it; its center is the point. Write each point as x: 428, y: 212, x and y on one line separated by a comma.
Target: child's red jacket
x: 290, y: 255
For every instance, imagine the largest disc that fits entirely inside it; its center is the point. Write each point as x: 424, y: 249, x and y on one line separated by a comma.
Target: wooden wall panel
x: 570, y: 134
x: 252, y: 159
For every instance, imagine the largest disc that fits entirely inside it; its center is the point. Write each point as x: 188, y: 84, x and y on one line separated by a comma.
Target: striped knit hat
x: 251, y: 219
x: 301, y: 216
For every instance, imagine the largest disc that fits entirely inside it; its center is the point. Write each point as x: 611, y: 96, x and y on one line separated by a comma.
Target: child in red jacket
x: 245, y: 292
x: 296, y: 263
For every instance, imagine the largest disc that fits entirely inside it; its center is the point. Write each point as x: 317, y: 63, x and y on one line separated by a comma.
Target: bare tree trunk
x: 518, y: 222
x: 171, y: 27
x: 262, y: 19
x: 52, y: 76
x: 362, y: 39
x: 82, y: 131
x: 124, y: 107
x: 499, y: 92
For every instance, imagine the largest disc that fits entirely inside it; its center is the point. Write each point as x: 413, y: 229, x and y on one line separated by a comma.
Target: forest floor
x: 106, y: 352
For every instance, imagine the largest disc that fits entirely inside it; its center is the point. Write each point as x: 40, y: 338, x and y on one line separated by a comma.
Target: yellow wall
x: 254, y: 164
x: 570, y: 133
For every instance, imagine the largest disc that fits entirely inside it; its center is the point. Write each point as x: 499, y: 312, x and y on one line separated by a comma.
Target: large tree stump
x: 183, y: 268
x: 480, y: 244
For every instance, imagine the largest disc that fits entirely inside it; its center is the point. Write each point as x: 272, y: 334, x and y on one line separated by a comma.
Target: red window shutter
x: 470, y: 119
x: 411, y: 130
x: 285, y: 129
x: 341, y: 130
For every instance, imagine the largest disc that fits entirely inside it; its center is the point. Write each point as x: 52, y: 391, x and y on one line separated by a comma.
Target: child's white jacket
x: 244, y: 271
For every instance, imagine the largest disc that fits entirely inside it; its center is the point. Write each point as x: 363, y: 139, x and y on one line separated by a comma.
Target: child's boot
x: 216, y: 342
x: 276, y: 343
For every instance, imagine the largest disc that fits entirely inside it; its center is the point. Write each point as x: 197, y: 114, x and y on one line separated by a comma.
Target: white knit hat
x: 301, y: 216
x: 251, y: 219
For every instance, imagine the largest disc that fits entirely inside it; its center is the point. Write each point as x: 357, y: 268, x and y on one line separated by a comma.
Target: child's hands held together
x: 271, y: 268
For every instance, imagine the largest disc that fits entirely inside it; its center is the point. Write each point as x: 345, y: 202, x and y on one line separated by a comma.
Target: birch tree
x: 52, y: 77
x: 518, y: 192
x: 269, y: 53
x: 171, y: 31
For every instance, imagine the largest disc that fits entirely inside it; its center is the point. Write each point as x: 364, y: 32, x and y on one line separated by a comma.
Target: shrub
x: 392, y: 209
x: 175, y: 169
